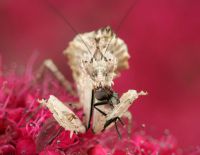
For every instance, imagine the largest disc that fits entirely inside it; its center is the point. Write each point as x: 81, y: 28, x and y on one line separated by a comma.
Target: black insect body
x: 106, y: 96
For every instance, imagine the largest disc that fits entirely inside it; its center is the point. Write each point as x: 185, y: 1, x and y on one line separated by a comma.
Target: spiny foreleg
x: 63, y: 115
x: 121, y: 109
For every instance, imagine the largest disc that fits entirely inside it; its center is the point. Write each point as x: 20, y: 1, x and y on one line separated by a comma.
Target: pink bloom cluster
x: 27, y: 128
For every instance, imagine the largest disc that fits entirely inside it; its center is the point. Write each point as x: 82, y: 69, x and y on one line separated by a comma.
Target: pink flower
x: 63, y: 140
x: 7, y: 149
x: 26, y: 146
x: 97, y: 150
x: 50, y: 152
x: 27, y: 128
x: 9, y: 133
x: 119, y: 152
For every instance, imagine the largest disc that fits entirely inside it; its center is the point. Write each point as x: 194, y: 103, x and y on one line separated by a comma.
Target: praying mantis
x: 96, y: 58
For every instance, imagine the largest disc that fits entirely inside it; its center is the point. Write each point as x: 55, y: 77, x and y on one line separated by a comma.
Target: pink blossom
x: 26, y: 146
x: 28, y: 128
x: 7, y: 149
x: 50, y: 152
x: 97, y: 150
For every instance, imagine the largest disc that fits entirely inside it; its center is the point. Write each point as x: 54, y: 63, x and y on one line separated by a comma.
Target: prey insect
x: 95, y: 58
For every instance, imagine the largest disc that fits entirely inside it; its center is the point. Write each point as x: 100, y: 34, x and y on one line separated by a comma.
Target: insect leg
x: 54, y: 136
x: 50, y: 65
x: 117, y: 130
x: 115, y: 121
x: 100, y: 103
x: 120, y: 121
x: 91, y: 110
x: 128, y: 115
x: 108, y: 122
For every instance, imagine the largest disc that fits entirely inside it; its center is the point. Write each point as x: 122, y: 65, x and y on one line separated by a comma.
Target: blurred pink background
x: 163, y: 37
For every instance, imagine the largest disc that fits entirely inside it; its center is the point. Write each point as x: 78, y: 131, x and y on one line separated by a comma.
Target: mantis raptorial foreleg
x: 63, y: 115
x: 121, y: 109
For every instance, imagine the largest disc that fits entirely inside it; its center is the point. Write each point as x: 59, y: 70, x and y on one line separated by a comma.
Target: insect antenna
x: 56, y: 11
x: 122, y: 21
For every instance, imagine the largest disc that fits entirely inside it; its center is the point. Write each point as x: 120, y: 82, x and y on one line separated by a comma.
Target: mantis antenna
x: 67, y: 22
x: 122, y: 21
